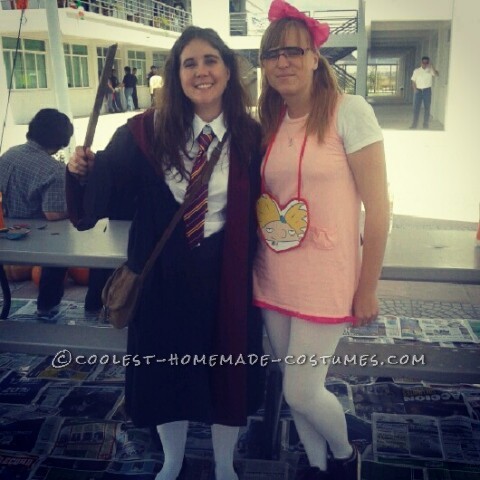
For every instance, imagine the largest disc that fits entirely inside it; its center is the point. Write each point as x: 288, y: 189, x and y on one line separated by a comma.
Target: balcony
x: 147, y: 12
x: 342, y: 22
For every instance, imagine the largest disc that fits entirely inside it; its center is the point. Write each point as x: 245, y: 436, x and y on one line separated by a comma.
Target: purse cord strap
x: 202, y: 180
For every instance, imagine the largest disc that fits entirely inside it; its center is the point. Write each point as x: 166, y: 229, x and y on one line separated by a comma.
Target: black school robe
x: 174, y: 319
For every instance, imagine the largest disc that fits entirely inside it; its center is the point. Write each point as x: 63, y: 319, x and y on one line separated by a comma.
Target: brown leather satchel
x: 122, y: 291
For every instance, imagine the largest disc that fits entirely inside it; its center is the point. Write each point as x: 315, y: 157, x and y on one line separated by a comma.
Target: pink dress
x: 317, y: 279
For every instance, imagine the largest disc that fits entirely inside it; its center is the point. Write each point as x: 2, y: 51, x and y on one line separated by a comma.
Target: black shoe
x: 314, y: 473
x: 412, y: 127
x: 48, y: 315
x: 346, y: 469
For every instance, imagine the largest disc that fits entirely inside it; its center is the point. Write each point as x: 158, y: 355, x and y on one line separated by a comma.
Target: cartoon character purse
x: 282, y: 228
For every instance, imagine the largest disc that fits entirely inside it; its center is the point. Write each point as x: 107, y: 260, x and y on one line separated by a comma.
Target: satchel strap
x: 202, y: 180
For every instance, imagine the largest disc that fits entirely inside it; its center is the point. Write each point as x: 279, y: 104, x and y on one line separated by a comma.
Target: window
x: 138, y: 60
x: 382, y: 79
x: 101, y: 56
x: 159, y: 60
x: 29, y: 70
x: 76, y: 62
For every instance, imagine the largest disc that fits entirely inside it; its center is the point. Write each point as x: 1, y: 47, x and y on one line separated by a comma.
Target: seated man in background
x: 33, y: 186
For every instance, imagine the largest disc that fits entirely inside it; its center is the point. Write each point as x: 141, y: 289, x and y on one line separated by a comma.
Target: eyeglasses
x: 287, y: 52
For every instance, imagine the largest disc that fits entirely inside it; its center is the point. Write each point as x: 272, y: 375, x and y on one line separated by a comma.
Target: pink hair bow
x: 281, y: 9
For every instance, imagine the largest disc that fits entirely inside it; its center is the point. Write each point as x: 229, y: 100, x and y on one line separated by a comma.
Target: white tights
x: 317, y: 413
x: 174, y: 436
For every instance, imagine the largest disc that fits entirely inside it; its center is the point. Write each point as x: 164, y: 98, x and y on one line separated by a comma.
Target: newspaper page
x: 27, y: 313
x: 447, y: 330
x: 382, y: 397
x: 108, y: 372
x: 472, y: 401
x: 139, y: 469
x: 461, y: 439
x: 93, y: 402
x: 22, y: 362
x: 69, y: 313
x: 422, y: 400
x: 434, y: 330
x: 405, y: 436
x: 70, y: 468
x: 12, y: 413
x: 410, y: 328
x: 87, y: 439
x: 32, y: 433
x: 133, y: 444
x: 474, y: 324
x: 17, y: 466
x: 452, y: 441
x: 74, y: 371
x: 53, y: 394
x: 342, y: 391
x: 392, y: 329
x: 385, y: 326
x: 18, y: 389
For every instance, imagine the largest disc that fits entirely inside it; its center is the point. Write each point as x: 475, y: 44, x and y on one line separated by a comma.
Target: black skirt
x: 174, y: 330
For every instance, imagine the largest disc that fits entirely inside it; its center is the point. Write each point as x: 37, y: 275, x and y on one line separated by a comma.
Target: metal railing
x: 342, y: 22
x: 238, y: 24
x: 346, y: 82
x: 147, y: 12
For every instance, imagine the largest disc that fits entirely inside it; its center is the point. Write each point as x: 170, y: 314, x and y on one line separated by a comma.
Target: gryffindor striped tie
x: 194, y: 216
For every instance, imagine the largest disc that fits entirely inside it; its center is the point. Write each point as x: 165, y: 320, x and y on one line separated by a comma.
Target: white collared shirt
x: 217, y: 187
x: 423, y: 77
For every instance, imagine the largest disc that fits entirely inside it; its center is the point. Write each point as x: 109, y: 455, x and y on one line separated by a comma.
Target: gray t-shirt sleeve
x: 357, y: 124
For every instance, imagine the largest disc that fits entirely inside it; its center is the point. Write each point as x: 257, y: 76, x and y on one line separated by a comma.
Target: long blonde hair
x: 325, y: 91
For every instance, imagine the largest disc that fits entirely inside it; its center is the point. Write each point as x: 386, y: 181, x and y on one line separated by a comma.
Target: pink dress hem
x: 310, y: 318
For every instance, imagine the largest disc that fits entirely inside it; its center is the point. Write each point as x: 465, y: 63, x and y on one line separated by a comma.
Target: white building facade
x: 429, y: 171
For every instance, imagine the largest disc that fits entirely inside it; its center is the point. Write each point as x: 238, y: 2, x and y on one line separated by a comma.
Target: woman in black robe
x: 197, y: 299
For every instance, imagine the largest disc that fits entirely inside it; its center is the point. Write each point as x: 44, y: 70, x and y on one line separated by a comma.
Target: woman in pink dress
x: 324, y: 157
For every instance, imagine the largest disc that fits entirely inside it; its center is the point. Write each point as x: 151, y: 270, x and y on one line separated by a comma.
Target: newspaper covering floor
x: 70, y: 423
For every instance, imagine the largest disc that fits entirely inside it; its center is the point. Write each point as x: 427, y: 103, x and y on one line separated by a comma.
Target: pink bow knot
x: 281, y: 9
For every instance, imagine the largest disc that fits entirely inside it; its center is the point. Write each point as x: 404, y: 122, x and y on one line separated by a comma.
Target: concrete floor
x: 394, y: 116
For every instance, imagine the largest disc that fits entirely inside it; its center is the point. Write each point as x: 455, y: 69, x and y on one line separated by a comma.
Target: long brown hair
x: 174, y: 117
x: 325, y: 91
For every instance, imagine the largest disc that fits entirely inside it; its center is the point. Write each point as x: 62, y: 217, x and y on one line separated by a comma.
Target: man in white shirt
x: 155, y: 82
x: 422, y: 80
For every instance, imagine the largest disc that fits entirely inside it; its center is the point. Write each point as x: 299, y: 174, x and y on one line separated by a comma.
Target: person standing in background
x: 113, y: 100
x: 422, y: 80
x: 134, y: 95
x: 155, y: 83
x: 153, y: 71
x: 129, y: 83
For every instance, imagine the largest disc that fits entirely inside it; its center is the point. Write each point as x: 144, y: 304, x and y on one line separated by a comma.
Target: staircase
x: 341, y: 22
x: 346, y: 82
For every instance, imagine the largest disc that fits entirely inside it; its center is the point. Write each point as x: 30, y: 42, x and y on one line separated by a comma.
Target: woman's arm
x: 369, y: 171
x: 92, y: 179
